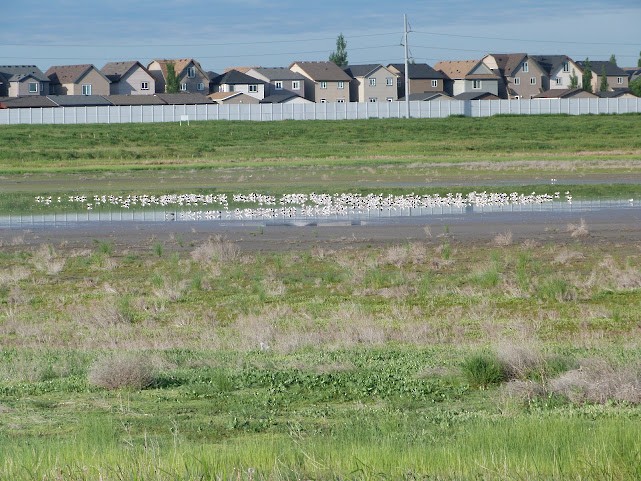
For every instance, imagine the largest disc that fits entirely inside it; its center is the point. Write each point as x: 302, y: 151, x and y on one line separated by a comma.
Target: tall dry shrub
x: 122, y: 370
x: 216, y: 249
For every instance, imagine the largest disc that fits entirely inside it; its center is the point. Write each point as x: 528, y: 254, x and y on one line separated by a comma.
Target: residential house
x: 476, y: 96
x: 576, y: 93
x: 427, y: 97
x: 184, y: 98
x: 559, y: 69
x: 422, y: 78
x: 82, y: 79
x: 372, y: 83
x: 633, y: 73
x: 22, y: 80
x: 191, y: 77
x: 324, y: 81
x: 279, y: 80
x: 129, y: 78
x: 232, y: 98
x: 521, y: 77
x: 617, y: 77
x: 236, y: 81
x: 28, y: 102
x: 79, y: 100
x: 468, y: 76
x: 616, y: 94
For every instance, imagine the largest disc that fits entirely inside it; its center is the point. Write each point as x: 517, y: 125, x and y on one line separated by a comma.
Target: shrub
x: 216, y: 249
x: 483, y: 370
x: 519, y: 361
x: 122, y: 370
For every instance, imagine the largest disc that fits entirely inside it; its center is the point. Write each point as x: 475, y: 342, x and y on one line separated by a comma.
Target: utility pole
x: 407, y: 70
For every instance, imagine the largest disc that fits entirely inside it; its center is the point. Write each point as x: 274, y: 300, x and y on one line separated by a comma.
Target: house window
x: 619, y: 80
x: 559, y: 80
x: 372, y: 82
x: 390, y: 99
x: 86, y: 89
x: 532, y: 80
x: 144, y: 85
x: 341, y: 84
x: 253, y: 88
x: 389, y: 81
x: 183, y: 87
x: 201, y: 86
x: 434, y: 83
x: 372, y: 99
x: 526, y: 67
x: 323, y: 101
x: 323, y: 85
x: 566, y: 67
x: 279, y: 85
x: 191, y: 72
x: 295, y: 84
x: 517, y: 81
x: 33, y: 87
x: 340, y: 101
x: 476, y: 84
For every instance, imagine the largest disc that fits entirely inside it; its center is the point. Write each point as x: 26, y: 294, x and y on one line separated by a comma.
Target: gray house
x: 468, y: 76
x: 129, y: 78
x: 279, y: 80
x: 22, y: 80
x: 559, y: 70
x: 236, y: 81
x: 422, y: 78
x: 372, y: 83
x: 324, y: 81
x: 520, y: 76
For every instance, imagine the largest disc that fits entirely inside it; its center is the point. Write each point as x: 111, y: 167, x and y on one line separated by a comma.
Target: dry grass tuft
x: 599, y: 381
x: 216, y: 249
x: 46, y: 260
x: 565, y: 256
x: 503, y: 239
x: 578, y: 231
x: 523, y: 390
x: 122, y: 370
x: 519, y: 360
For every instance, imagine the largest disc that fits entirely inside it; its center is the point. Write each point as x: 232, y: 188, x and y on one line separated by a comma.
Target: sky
x: 276, y: 33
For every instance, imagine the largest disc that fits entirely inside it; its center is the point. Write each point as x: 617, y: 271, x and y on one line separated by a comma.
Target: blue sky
x: 276, y: 33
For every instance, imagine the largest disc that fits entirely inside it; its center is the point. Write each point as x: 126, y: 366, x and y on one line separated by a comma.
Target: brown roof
x: 325, y: 71
x: 455, y: 69
x: 115, y: 70
x: 239, y: 69
x: 180, y: 64
x: 184, y: 98
x: 68, y: 74
x: 508, y: 62
x: 560, y: 93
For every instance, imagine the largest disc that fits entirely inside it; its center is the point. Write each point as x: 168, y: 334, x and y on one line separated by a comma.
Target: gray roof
x: 323, y: 71
x: 79, y: 100
x: 610, y: 69
x: 30, y: 101
x: 278, y: 98
x: 474, y: 96
x: 134, y: 100
x: 418, y: 71
x: 115, y: 70
x: 612, y: 94
x: 426, y: 96
x: 550, y: 63
x: 234, y: 77
x: 184, y: 99
x: 15, y: 73
x: 361, y: 70
x: 279, y: 73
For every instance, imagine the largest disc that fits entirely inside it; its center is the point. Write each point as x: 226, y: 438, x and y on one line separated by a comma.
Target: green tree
x: 171, y: 84
x: 635, y: 86
x: 586, y: 79
x: 603, y: 86
x: 613, y: 59
x: 639, y: 61
x: 339, y: 56
x: 574, y: 80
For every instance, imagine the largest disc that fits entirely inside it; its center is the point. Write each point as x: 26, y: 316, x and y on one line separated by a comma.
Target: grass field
x: 432, y: 359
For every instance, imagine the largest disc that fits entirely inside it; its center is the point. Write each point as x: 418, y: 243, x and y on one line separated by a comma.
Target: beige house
x: 468, y: 76
x: 559, y: 70
x: 324, y: 81
x: 22, y: 81
x: 617, y: 77
x: 191, y: 77
x: 565, y: 94
x: 372, y: 83
x: 129, y: 78
x: 422, y: 78
x: 77, y: 80
x: 521, y: 76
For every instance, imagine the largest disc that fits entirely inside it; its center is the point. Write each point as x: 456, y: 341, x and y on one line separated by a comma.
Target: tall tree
x: 613, y: 59
x: 586, y: 79
x: 171, y: 84
x: 574, y: 80
x: 603, y: 86
x: 339, y: 56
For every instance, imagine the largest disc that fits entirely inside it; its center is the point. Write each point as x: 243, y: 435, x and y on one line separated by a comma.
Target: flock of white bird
x: 264, y: 206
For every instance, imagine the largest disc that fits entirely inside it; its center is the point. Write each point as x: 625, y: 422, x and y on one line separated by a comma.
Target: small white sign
x: 184, y: 118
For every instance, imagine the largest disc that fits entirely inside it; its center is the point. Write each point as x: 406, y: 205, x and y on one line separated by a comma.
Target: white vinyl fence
x: 327, y: 111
